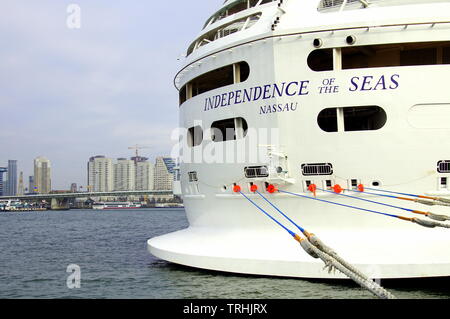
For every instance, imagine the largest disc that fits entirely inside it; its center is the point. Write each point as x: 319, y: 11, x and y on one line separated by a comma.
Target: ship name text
x: 257, y: 93
x: 298, y: 88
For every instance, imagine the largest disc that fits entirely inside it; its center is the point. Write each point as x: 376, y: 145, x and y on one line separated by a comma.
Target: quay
x: 61, y: 201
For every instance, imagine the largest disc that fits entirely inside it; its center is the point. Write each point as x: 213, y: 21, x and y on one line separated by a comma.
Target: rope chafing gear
x: 430, y: 223
x: 364, y: 209
x: 428, y: 214
x: 416, y: 200
x: 331, y: 263
x: 317, y: 249
x: 438, y: 199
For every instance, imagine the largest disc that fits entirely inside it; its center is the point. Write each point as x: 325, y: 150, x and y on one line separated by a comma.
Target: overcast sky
x: 71, y: 93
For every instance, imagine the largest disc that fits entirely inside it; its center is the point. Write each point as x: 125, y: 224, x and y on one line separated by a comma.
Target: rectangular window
x: 229, y: 129
x: 227, y: 75
x: 195, y: 136
x: 443, y: 182
x: 353, y: 184
x: 356, y: 118
x: 446, y: 55
x: 364, y: 118
x: 212, y: 80
x: 183, y: 97
x: 398, y: 54
x: 193, y: 177
x: 383, y: 55
x: 223, y: 130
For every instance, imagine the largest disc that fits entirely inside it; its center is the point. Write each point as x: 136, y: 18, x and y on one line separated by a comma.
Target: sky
x: 91, y: 77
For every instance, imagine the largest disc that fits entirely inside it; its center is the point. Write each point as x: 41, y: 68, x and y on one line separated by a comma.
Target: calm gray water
x: 110, y: 248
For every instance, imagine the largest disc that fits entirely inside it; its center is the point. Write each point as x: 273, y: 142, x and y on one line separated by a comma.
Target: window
x: 384, y: 55
x: 236, y: 7
x: 321, y: 60
x: 356, y: 118
x: 334, y: 5
x: 224, y: 30
x: 227, y: 75
x: 192, y: 177
x: 327, y: 120
x: 229, y: 129
x: 364, y: 118
x: 183, y: 96
x: 195, y: 136
x: 443, y: 182
x: 212, y: 80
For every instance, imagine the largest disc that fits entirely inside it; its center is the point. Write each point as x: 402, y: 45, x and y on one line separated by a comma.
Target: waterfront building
x: 31, y: 184
x: 144, y: 175
x: 164, y: 173
x: 73, y: 187
x: 20, y: 188
x: 11, y: 183
x: 124, y: 175
x: 42, y: 175
x: 2, y: 171
x: 100, y: 174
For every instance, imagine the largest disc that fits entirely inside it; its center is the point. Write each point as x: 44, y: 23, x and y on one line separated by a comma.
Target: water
x: 110, y: 249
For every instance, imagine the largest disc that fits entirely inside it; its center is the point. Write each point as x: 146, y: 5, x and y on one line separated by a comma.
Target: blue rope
x: 382, y: 195
x: 381, y: 190
x: 285, y: 216
x: 348, y: 206
x: 367, y: 200
x: 268, y: 215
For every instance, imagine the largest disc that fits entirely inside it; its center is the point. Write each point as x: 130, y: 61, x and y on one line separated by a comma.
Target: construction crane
x: 137, y: 148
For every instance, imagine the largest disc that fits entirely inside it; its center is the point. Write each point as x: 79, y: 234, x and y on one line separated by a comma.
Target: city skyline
x: 94, y: 90
x: 29, y: 182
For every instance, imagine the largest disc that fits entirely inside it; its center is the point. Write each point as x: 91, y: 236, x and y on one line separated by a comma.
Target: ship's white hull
x: 284, y: 97
x: 245, y: 241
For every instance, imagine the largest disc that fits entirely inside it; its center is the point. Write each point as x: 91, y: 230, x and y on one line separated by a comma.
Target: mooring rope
x: 315, y: 248
x: 419, y: 212
x: 421, y: 222
x: 316, y: 241
x: 436, y: 200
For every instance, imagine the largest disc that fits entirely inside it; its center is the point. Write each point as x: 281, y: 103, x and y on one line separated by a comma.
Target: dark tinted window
x: 356, y: 118
x: 226, y: 130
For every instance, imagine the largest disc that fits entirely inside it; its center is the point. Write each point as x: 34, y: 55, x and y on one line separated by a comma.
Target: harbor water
x: 109, y: 250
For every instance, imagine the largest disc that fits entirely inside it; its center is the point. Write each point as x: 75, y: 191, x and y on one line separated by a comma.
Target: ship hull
x: 342, y: 98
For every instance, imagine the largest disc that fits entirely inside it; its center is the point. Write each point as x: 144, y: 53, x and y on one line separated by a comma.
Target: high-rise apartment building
x: 124, y: 175
x: 2, y: 171
x: 31, y: 184
x: 11, y: 183
x: 144, y: 176
x: 100, y: 174
x: 164, y: 170
x: 42, y: 175
x: 20, y: 187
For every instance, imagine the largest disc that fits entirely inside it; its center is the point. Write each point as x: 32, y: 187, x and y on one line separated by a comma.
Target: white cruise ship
x: 317, y: 109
